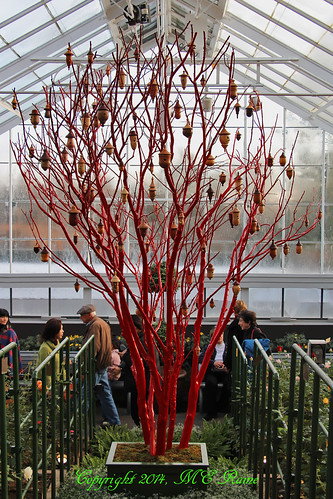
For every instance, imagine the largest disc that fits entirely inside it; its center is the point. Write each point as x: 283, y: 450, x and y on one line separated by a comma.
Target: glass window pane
x: 328, y: 303
x: 265, y: 302
x: 66, y: 302
x: 309, y: 259
x: 30, y: 301
x: 302, y: 303
x: 4, y: 256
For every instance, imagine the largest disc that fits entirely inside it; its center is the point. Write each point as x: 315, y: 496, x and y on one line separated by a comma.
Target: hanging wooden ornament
x: 69, y: 56
x: 210, y: 271
x: 189, y: 277
x: 34, y: 117
x: 270, y: 160
x: 184, y: 309
x: 75, y: 238
x: 178, y: 110
x: 173, y: 230
x: 90, y: 54
x: 143, y: 228
x: 122, y: 78
x: 45, y: 160
x: 115, y: 282
x: 85, y: 121
x: 109, y: 149
x: 102, y: 114
x: 31, y: 151
x: 283, y: 159
x: 238, y: 135
x: 181, y: 218
x: 187, y: 130
x: 249, y: 110
x: 210, y: 160
x: 120, y: 245
x: 136, y: 54
x: 236, y: 288
x: 14, y: 103
x: 203, y: 81
x: 212, y: 303
x: 108, y: 69
x: 233, y: 89
x: 183, y: 80
x: 257, y: 197
x: 64, y: 155
x: 164, y: 158
x: 222, y: 178
x: 81, y: 166
x: 235, y: 216
x: 210, y: 192
x: 47, y: 110
x: 124, y: 195
x: 153, y: 88
x: 147, y: 246
x: 152, y: 190
x: 36, y: 248
x: 77, y: 285
x: 70, y: 140
x: 238, y: 184
x: 237, y: 107
x: 100, y: 227
x: 299, y: 247
x: 261, y: 207
x: 74, y: 216
x: 290, y: 172
x: 44, y: 255
x: 320, y: 215
x: 224, y: 138
x: 253, y: 227
x: 286, y: 249
x: 133, y: 139
x: 273, y: 250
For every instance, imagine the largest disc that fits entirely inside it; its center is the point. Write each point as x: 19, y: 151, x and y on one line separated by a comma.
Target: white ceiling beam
x: 24, y: 12
x: 278, y: 47
x: 305, y: 15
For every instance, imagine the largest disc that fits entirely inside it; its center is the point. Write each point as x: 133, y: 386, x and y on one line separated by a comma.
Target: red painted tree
x: 89, y: 167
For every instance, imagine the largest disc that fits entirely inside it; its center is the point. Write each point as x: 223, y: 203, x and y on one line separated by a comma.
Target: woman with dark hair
x: 247, y: 321
x: 8, y: 335
x: 50, y: 338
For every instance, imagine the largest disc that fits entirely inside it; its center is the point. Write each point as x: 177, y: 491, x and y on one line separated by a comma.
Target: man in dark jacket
x: 103, y: 346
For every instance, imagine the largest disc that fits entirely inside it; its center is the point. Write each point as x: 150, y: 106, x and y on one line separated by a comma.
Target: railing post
x: 4, y: 457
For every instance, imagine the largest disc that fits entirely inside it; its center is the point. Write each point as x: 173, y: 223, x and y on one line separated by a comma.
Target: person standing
x: 234, y: 329
x: 8, y: 335
x: 103, y: 346
x: 51, y: 337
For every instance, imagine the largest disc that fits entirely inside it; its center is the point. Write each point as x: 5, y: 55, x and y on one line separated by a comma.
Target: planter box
x: 148, y: 478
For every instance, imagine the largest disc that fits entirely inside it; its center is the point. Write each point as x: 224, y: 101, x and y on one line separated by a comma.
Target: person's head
x: 137, y: 321
x: 239, y: 306
x: 87, y: 313
x: 4, y: 317
x: 53, y: 331
x: 247, y: 319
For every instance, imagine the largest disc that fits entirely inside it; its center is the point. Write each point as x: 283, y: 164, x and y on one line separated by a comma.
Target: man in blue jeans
x: 103, y: 346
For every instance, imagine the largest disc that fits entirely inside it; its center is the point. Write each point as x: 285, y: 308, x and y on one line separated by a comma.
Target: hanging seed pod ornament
x: 147, y: 246
x: 233, y: 89
x: 183, y: 80
x: 238, y: 184
x: 184, y: 309
x: 109, y: 149
x: 237, y: 107
x: 36, y: 248
x: 235, y: 216
x: 108, y: 69
x: 124, y: 195
x: 224, y: 138
x: 133, y: 139
x: 189, y: 277
x: 90, y: 54
x: 187, y: 130
x: 320, y: 215
x: 152, y: 190
x: 257, y: 197
x: 31, y: 151
x: 283, y: 159
x: 178, y: 110
x: 77, y: 285
x: 64, y: 155
x: 74, y: 216
x: 164, y: 158
x: 238, y: 135
x: 14, y: 103
x: 70, y: 140
x: 290, y: 172
x: 69, y: 56
x: 181, y: 218
x: 210, y: 192
x: 85, y: 121
x: 286, y: 249
x: 273, y: 250
x: 75, y: 238
x: 122, y: 78
x: 253, y: 227
x: 261, y: 207
x: 210, y: 161
x: 45, y: 160
x: 173, y: 230
x: 270, y: 160
x: 153, y: 88
x: 222, y: 178
x: 236, y: 288
x: 136, y: 54
x: 249, y: 110
x: 203, y: 81
x: 212, y: 303
x: 81, y: 166
x: 47, y: 110
x: 34, y: 117
x: 44, y: 255
x: 102, y: 114
x: 143, y: 228
x: 115, y: 282
x: 210, y: 271
x: 299, y: 247
x: 100, y: 227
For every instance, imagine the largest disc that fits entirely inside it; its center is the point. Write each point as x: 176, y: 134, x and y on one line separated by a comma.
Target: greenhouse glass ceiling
x: 283, y: 48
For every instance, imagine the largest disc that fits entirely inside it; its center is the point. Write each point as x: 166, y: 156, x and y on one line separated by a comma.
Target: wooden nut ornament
x: 224, y: 138
x: 85, y: 121
x: 102, y: 114
x: 222, y: 178
x: 100, y: 227
x: 270, y: 160
x: 164, y: 158
x: 153, y: 88
x: 189, y: 277
x: 286, y: 249
x: 45, y: 160
x: 289, y: 172
x: 124, y: 195
x: 173, y: 230
x: 64, y: 155
x: 283, y: 159
x: 36, y: 248
x: 47, y: 110
x: 133, y: 139
x: 75, y: 238
x: 34, y: 117
x: 69, y: 56
x: 249, y: 110
x: 210, y: 192
x: 233, y: 89
x: 237, y: 107
x: 257, y: 197
x: 77, y: 285
x: 70, y: 140
x: 109, y: 149
x: 115, y: 281
x: 210, y: 271
x: 44, y: 255
x: 236, y: 288
x: 183, y: 80
x: 299, y: 247
x: 74, y: 216
x: 212, y: 303
x: 31, y: 151
x: 14, y: 103
x: 143, y: 228
x: 152, y: 190
x: 81, y: 166
x: 210, y: 161
x: 235, y: 216
x: 184, y: 309
x: 122, y: 78
x: 178, y: 110
x: 187, y: 130
x: 273, y: 250
x: 238, y: 184
x: 181, y: 218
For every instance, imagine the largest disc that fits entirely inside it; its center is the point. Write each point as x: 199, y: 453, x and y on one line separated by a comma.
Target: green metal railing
x: 60, y: 421
x: 274, y: 436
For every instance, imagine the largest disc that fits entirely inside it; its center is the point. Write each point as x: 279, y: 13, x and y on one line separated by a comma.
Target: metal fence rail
x: 272, y: 435
x: 57, y: 423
